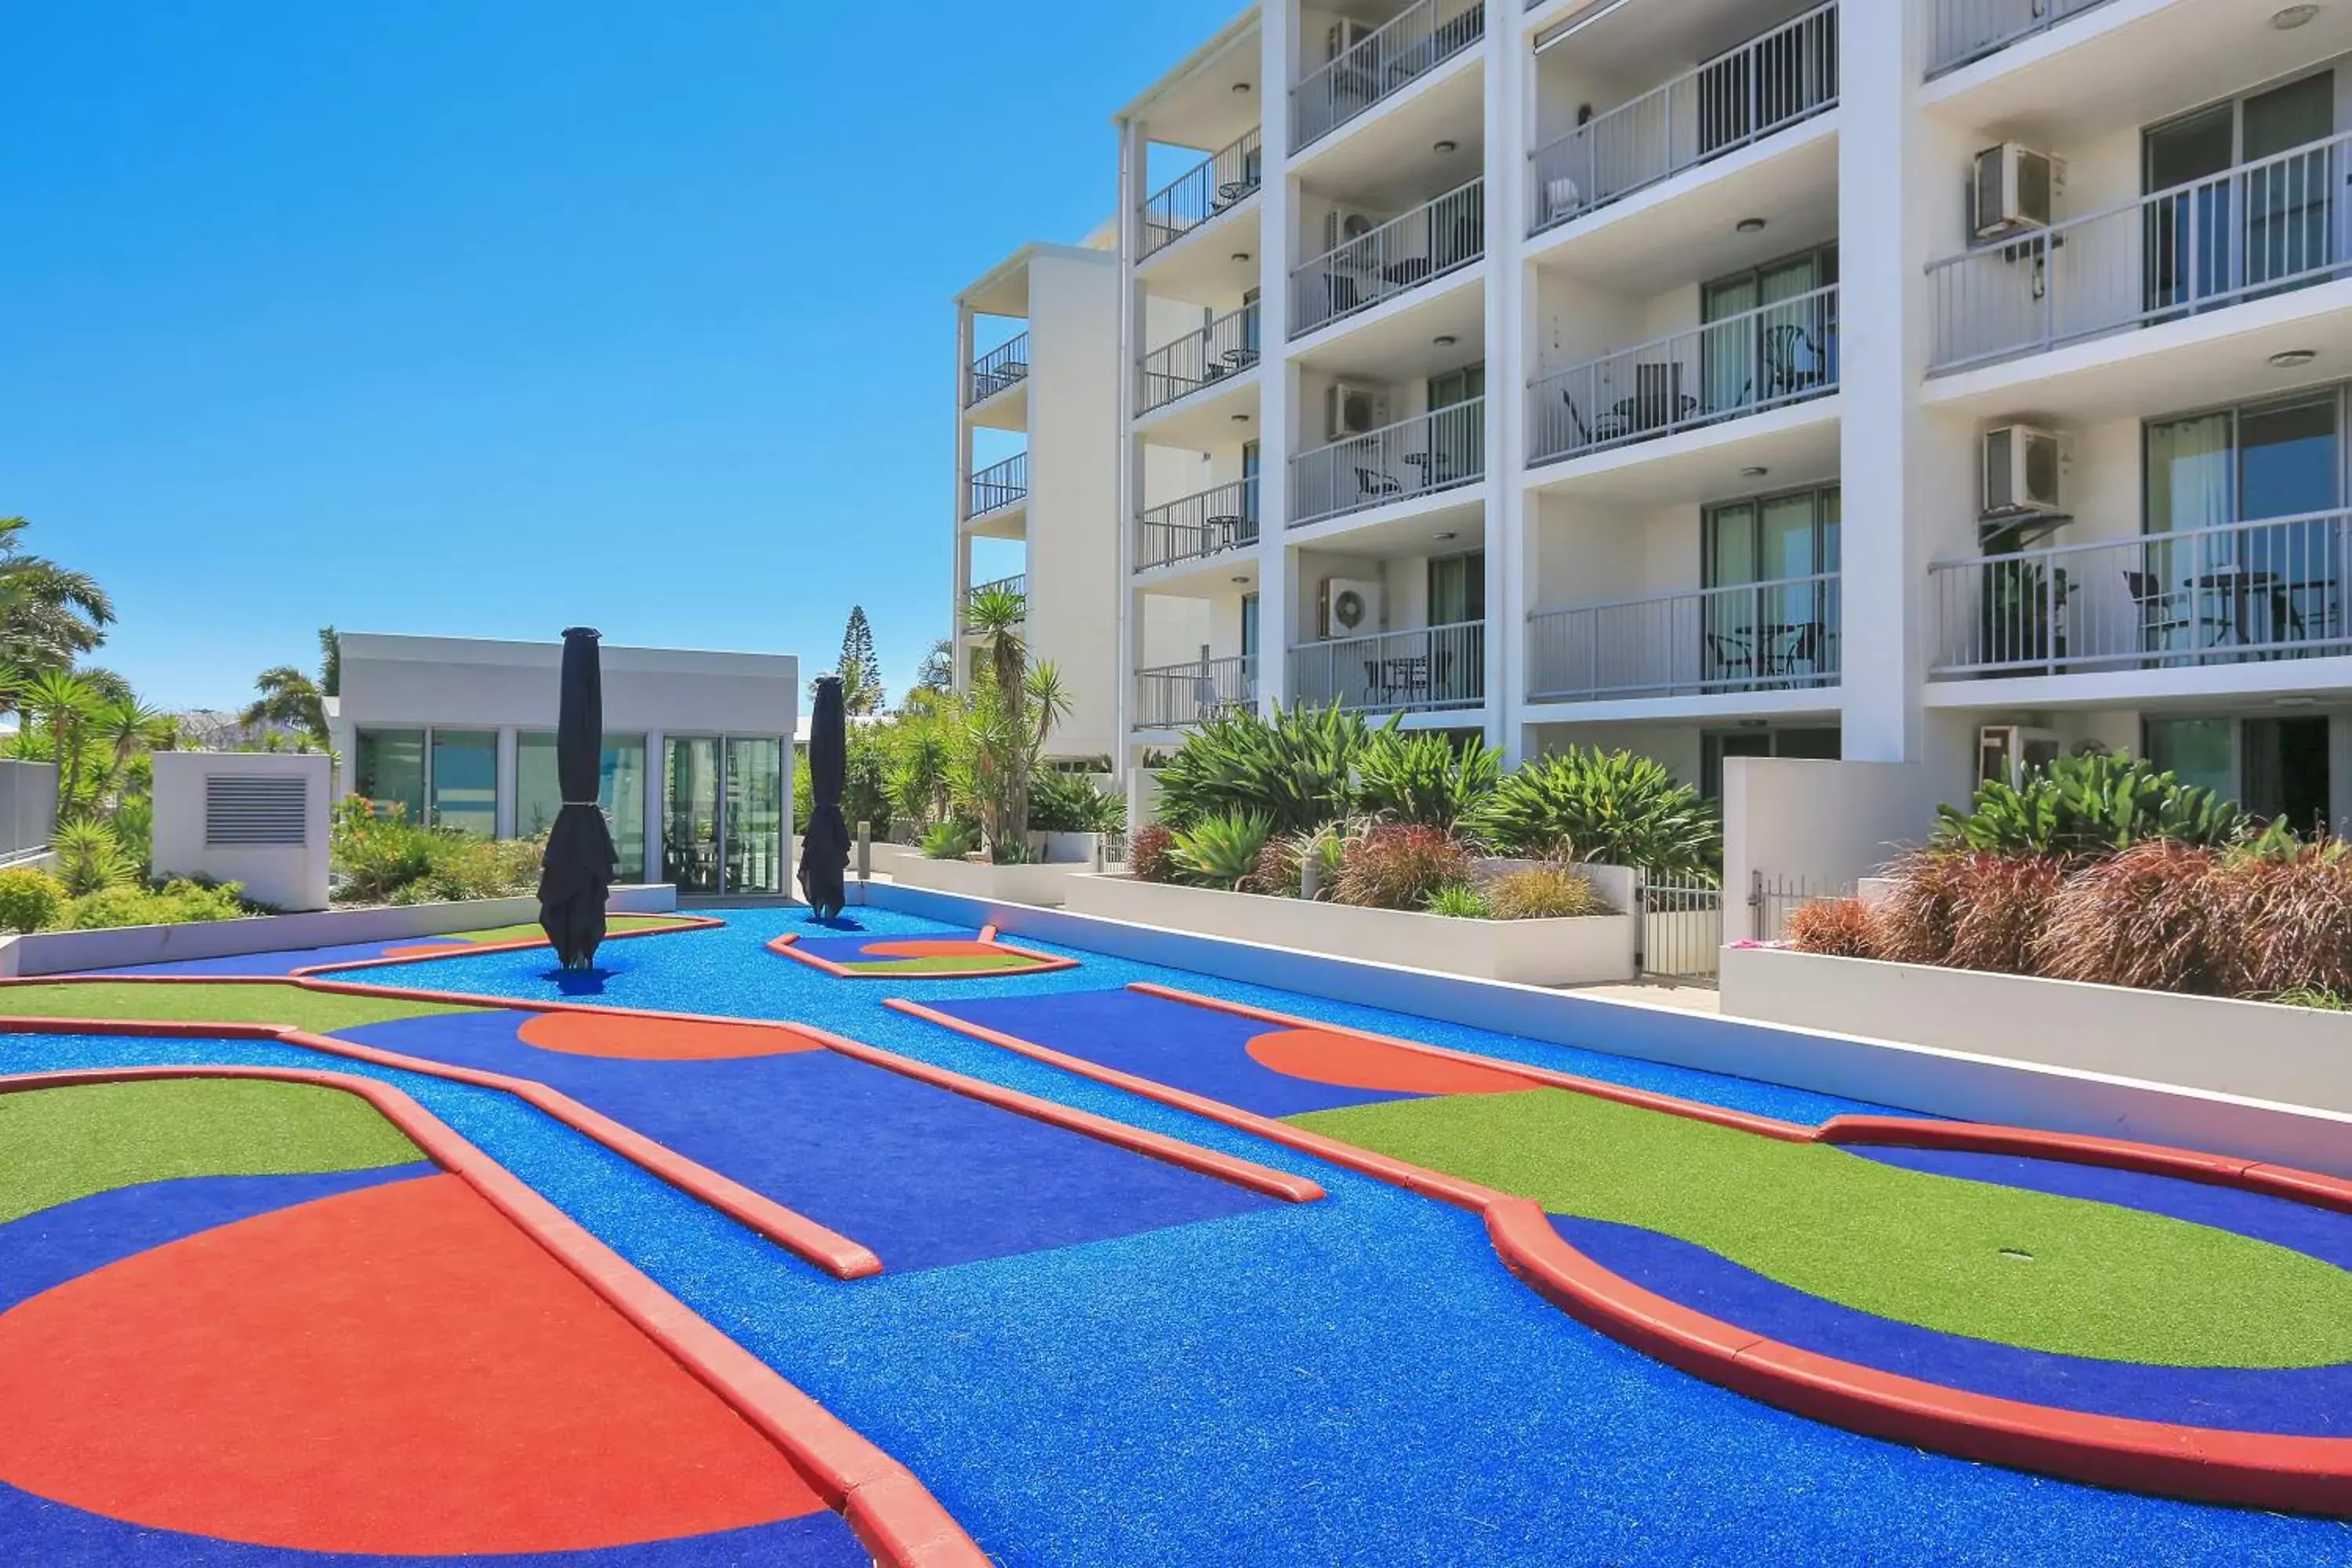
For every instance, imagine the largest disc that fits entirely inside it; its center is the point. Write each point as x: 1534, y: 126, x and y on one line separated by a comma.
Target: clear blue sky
x: 489, y: 317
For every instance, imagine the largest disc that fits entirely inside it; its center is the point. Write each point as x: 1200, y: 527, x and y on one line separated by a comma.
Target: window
x: 2203, y: 752
x: 1766, y: 335
x: 2197, y: 247
x: 2276, y: 768
x: 620, y: 791
x: 389, y: 769
x: 1249, y: 626
x: 464, y: 781
x: 1771, y: 610
x: 1458, y: 429
x: 1457, y: 589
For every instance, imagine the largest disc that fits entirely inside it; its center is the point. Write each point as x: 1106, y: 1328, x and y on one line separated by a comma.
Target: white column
x: 962, y: 494
x: 656, y: 791
x: 1509, y: 70
x: 1134, y: 141
x: 508, y: 785
x: 1278, y: 617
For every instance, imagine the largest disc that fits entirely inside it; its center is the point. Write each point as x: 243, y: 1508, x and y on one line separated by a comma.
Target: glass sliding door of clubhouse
x: 724, y: 814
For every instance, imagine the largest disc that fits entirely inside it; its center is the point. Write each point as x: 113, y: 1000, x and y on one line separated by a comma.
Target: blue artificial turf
x: 922, y: 1175
x: 2309, y: 1402
x: 852, y: 949
x: 273, y: 962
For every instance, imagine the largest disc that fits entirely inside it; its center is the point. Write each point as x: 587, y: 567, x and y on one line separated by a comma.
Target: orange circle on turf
x: 934, y: 947
x: 588, y: 1034
x: 1346, y: 1062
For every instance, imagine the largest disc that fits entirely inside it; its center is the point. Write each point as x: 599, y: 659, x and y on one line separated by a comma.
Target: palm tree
x: 289, y: 697
x: 63, y: 700
x: 48, y: 614
x: 995, y: 615
x: 129, y: 726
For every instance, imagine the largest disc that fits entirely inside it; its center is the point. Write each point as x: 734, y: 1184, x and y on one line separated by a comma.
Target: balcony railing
x: 1365, y: 69
x: 1435, y: 668
x: 996, y: 370
x: 1175, y: 696
x: 1749, y: 637
x: 1209, y: 189
x: 1961, y: 31
x: 1399, y: 255
x: 998, y: 486
x: 1225, y: 347
x: 1430, y: 452
x: 1777, y: 354
x: 2260, y: 228
x: 1198, y: 526
x: 1017, y: 584
x: 2268, y: 590
x: 1766, y: 85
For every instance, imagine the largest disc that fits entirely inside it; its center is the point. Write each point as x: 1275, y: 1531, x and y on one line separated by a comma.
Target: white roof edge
x: 413, y: 648
x: 1223, y: 40
x: 1031, y: 252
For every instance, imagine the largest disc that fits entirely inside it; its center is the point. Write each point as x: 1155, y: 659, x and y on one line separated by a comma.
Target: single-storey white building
x: 697, y: 777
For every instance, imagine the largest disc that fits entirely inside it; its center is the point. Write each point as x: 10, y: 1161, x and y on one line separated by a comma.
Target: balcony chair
x: 1793, y: 362
x: 1726, y: 653
x: 1371, y: 482
x: 2163, y: 611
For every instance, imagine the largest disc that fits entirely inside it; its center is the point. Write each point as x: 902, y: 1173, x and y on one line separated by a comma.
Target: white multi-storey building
x: 1933, y: 381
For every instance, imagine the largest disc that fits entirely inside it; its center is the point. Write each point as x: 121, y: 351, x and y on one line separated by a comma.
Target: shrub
x: 1835, y: 928
x: 2089, y: 805
x: 866, y: 779
x: 1551, y: 891
x: 1069, y: 803
x: 951, y: 841
x: 2285, y: 920
x: 1148, y: 854
x: 376, y: 853
x: 1278, y: 872
x: 1611, y: 807
x: 2001, y: 905
x: 1425, y: 778
x: 1914, y: 923
x: 90, y: 859
x: 1401, y: 866
x: 2150, y: 918
x: 1461, y: 901
x: 176, y: 903
x: 1297, y: 767
x: 29, y: 900
x: 1221, y: 851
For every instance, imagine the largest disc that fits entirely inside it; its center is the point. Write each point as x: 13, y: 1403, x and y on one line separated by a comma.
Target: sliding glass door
x: 1780, y: 621
x: 754, y: 837
x: 2212, y: 235
x: 724, y: 814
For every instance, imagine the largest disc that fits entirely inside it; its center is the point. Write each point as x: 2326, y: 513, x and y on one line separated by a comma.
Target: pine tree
x: 860, y: 670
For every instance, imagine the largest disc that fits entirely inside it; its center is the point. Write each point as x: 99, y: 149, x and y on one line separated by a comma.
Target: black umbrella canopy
x: 824, y: 850
x: 580, y: 863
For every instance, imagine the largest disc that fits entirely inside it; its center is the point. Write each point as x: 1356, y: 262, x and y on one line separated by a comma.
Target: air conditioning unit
x: 1350, y: 606
x: 1344, y: 36
x: 1353, y: 410
x: 2013, y: 190
x: 2020, y: 471
x: 1343, y: 226
x: 2006, y: 753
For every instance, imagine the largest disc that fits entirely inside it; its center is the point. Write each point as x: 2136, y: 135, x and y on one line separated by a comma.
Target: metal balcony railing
x: 1962, y: 31
x: 998, y: 486
x: 1174, y: 696
x: 1198, y: 526
x: 1365, y: 68
x: 1749, y: 636
x: 1782, y: 353
x: 1209, y: 189
x: 1017, y: 584
x: 1766, y: 85
x: 1437, y: 667
x: 996, y: 370
x: 2260, y: 228
x: 2267, y: 590
x: 1225, y: 347
x: 1399, y: 255
x: 1429, y: 452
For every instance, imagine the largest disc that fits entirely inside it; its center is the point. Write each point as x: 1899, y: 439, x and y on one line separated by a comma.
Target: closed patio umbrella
x: 580, y: 862
x: 824, y: 850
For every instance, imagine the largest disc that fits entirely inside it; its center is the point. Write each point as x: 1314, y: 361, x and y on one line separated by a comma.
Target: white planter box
x: 1590, y: 951
x: 1065, y: 848
x: 2294, y: 1055
x: 1040, y: 886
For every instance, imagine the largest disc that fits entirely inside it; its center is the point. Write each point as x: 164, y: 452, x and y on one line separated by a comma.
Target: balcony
x: 1440, y: 451
x: 1781, y: 635
x: 1017, y: 584
x: 1962, y: 32
x: 1429, y: 670
x: 1198, y: 526
x: 1399, y: 257
x: 1778, y: 353
x: 999, y: 370
x: 2258, y: 229
x: 1226, y: 347
x: 1765, y: 86
x: 2229, y: 595
x: 1210, y: 189
x: 997, y: 488
x: 1177, y: 696
x: 1380, y: 65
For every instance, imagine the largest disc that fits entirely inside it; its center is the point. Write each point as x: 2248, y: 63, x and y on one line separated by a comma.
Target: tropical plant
x: 2089, y: 805
x: 921, y: 755
x: 1069, y: 803
x: 1150, y: 853
x: 179, y: 902
x: 1297, y: 765
x: 1280, y: 867
x: 865, y: 794
x: 1425, y: 778
x: 1606, y: 807
x: 1001, y: 729
x: 287, y: 697
x: 1461, y: 901
x: 1833, y: 928
x: 2152, y: 917
x: 90, y: 857
x: 65, y: 704
x: 30, y: 901
x: 2287, y: 913
x: 1547, y: 890
x: 49, y: 615
x: 936, y: 672
x: 1221, y: 851
x: 1401, y: 866
x: 952, y: 840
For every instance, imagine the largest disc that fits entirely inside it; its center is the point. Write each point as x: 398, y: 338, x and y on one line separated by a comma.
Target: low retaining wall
x: 1589, y: 952
x: 1042, y: 886
x: 2254, y: 1050
x: 66, y: 951
x: 1941, y: 1081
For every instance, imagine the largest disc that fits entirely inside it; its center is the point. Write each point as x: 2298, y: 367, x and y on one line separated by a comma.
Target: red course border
x: 788, y: 945
x: 2303, y: 1475
x: 891, y: 1510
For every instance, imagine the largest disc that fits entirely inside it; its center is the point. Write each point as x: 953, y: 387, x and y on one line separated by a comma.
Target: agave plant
x: 1608, y: 807
x: 90, y: 859
x: 1298, y: 766
x: 1425, y: 779
x: 1220, y: 851
x: 2094, y: 806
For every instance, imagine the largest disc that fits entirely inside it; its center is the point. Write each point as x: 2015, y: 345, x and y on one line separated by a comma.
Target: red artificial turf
x: 1354, y: 1061
x: 621, y: 1034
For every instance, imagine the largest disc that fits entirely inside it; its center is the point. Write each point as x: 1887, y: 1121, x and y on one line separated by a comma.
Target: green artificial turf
x: 949, y: 963
x: 532, y: 933
x: 196, y: 1001
x: 60, y: 1144
x: 2097, y: 1280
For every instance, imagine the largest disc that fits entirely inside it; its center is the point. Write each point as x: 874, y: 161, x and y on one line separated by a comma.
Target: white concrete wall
x: 286, y: 876
x: 1825, y: 822
x: 28, y: 804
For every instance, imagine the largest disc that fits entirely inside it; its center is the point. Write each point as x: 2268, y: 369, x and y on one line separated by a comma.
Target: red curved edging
x: 469, y: 949
x: 788, y: 946
x: 892, y: 1512
x: 2306, y: 1475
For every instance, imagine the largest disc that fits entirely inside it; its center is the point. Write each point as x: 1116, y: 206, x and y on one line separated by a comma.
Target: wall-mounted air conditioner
x: 1350, y: 607
x: 1349, y: 410
x: 2006, y: 753
x: 1343, y: 226
x: 2020, y: 471
x: 1344, y: 35
x: 2013, y: 190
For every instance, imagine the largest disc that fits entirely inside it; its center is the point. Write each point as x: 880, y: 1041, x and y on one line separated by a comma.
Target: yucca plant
x: 1605, y: 807
x: 2080, y: 807
x: 1425, y: 778
x: 90, y: 859
x: 1220, y: 851
x: 951, y: 841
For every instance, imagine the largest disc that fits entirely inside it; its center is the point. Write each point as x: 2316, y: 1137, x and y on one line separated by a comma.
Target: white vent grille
x: 247, y: 812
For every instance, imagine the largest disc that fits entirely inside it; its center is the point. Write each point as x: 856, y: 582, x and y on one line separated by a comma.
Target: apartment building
x: 1950, y: 382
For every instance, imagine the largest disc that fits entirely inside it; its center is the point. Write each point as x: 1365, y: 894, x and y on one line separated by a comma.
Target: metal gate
x: 1682, y: 930
x: 1772, y: 898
